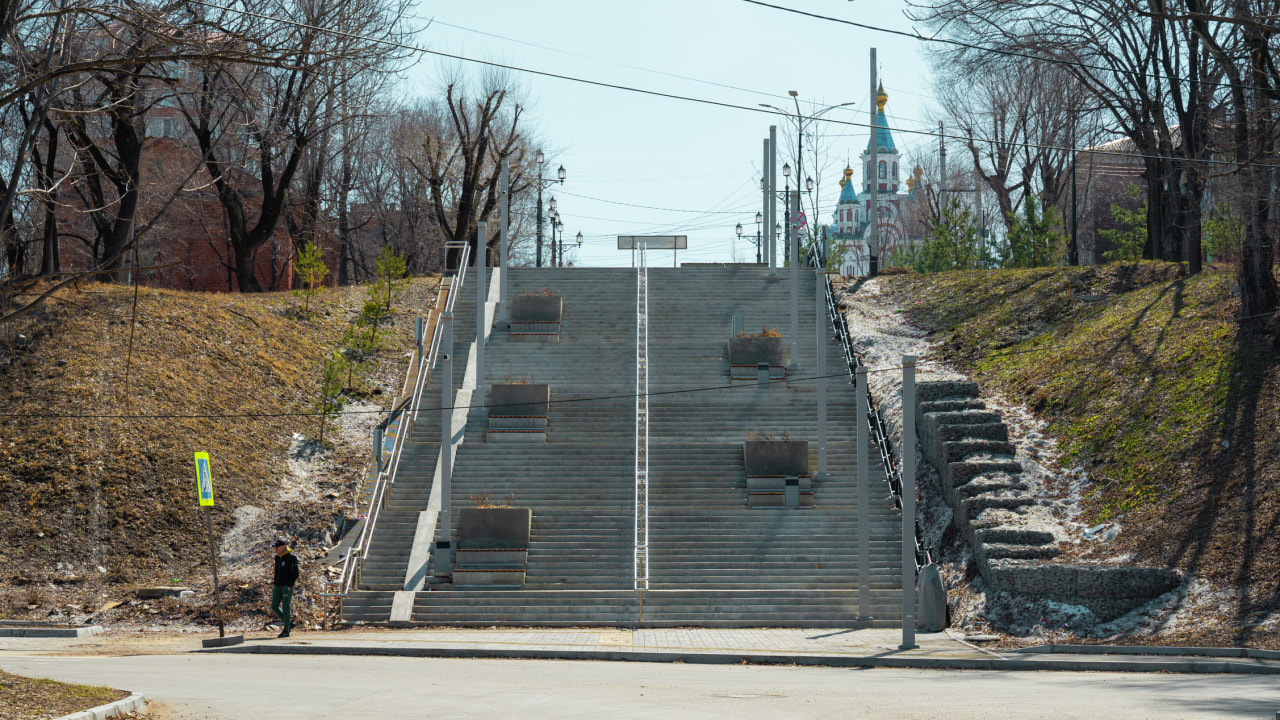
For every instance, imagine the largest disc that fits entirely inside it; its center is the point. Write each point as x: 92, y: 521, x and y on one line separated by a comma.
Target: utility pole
x: 1073, y: 252
x: 908, y: 503
x: 873, y: 179
x: 482, y: 294
x: 504, y: 244
x: 799, y: 159
x: 942, y: 169
x: 770, y: 222
x: 538, y: 260
x: 764, y: 210
x: 794, y: 232
x: 444, y: 526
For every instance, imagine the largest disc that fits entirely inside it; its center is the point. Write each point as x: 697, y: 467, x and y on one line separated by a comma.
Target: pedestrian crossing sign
x: 204, y: 480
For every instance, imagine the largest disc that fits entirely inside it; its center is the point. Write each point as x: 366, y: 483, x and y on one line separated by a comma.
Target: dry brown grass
x: 96, y: 467
x: 1152, y: 385
x: 23, y: 698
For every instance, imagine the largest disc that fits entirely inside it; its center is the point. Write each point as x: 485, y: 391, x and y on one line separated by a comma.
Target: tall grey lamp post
x: 759, y: 220
x: 800, y: 119
x: 560, y: 247
x: 786, y: 210
x: 552, y: 216
x: 545, y: 182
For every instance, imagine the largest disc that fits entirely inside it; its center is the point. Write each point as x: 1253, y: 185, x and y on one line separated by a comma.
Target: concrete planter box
x: 536, y: 309
x: 776, y: 458
x: 755, y: 350
x: 494, y: 528
x: 493, y: 546
x: 519, y: 400
x: 509, y: 577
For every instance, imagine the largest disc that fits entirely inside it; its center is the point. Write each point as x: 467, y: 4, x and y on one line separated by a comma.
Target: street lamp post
x: 800, y: 124
x: 560, y: 249
x: 756, y: 242
x: 554, y: 222
x: 787, y: 219
x: 545, y: 182
x: 553, y: 216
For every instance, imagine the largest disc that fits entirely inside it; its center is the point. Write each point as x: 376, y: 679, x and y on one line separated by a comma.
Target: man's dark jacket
x: 286, y: 569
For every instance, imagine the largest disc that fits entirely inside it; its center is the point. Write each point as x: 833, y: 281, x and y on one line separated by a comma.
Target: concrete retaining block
x: 990, y: 483
x: 931, y: 390
x: 1014, y: 535
x: 950, y: 406
x: 958, y: 473
x: 51, y: 632
x: 134, y: 703
x: 985, y: 431
x: 958, y: 450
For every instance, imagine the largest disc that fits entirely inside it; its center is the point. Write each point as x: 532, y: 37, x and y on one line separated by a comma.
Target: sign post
x: 204, y: 491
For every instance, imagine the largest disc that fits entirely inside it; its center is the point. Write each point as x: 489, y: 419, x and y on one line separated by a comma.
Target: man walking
x: 286, y: 575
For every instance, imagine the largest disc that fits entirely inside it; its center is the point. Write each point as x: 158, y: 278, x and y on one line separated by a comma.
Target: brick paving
x: 778, y: 641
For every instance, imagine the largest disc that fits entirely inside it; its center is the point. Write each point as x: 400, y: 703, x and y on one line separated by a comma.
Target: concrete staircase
x: 714, y: 562
x: 384, y: 571
x: 779, y: 566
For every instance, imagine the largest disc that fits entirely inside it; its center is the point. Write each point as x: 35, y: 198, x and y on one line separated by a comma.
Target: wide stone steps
x: 654, y: 608
x: 714, y: 562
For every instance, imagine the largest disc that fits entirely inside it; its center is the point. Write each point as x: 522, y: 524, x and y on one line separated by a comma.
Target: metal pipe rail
x: 641, y: 566
x: 880, y: 433
x: 407, y: 411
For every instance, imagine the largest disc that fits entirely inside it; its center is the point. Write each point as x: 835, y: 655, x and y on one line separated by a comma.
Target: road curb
x: 1225, y: 652
x: 134, y: 703
x: 1186, y: 666
x: 51, y: 632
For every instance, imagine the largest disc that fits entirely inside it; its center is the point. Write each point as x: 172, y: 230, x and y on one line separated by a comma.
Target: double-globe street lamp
x: 557, y: 247
x: 800, y: 119
x: 738, y: 229
x: 545, y: 182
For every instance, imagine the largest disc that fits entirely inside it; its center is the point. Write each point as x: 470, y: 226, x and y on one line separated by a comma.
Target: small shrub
x: 486, y: 500
x: 764, y: 332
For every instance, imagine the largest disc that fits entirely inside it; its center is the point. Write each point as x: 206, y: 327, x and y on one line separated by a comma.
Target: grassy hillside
x: 99, y: 417
x: 1147, y: 381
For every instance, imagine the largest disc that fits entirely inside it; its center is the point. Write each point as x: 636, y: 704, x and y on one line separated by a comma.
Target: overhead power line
x: 622, y: 396
x: 997, y: 51
x: 714, y: 103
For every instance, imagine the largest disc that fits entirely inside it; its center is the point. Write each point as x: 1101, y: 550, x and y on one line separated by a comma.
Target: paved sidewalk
x: 835, y: 648
x: 774, y: 641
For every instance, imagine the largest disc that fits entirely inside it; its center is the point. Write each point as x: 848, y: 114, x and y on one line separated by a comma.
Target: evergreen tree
x: 1033, y: 240
x: 953, y: 243
x: 1130, y: 237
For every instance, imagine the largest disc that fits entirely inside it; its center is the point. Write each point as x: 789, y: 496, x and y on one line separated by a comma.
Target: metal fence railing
x: 641, y: 568
x: 403, y: 415
x: 879, y: 433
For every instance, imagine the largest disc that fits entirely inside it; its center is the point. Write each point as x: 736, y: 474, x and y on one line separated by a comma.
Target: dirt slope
x: 1149, y: 384
x: 96, y: 442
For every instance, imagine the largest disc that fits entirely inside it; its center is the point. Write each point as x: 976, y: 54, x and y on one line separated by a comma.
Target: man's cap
x: 279, y: 543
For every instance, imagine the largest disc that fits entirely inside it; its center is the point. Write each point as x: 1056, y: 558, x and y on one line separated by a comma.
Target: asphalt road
x: 249, y: 687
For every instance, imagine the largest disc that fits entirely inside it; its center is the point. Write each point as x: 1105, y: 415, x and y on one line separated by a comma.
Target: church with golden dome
x: 851, y: 219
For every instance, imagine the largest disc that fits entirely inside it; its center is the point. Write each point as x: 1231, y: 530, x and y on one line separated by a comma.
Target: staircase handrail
x: 879, y: 432
x: 353, y: 564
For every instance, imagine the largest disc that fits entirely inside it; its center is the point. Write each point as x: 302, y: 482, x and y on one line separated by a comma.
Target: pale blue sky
x: 621, y: 147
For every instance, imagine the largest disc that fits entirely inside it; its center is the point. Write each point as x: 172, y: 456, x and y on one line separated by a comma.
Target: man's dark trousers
x: 281, y: 599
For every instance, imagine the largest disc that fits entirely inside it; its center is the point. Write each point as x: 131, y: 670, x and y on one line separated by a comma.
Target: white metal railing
x: 879, y: 432
x: 353, y: 564
x: 642, y: 424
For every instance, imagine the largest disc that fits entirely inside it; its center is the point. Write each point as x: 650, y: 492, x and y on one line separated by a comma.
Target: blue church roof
x: 883, y: 137
x: 848, y: 193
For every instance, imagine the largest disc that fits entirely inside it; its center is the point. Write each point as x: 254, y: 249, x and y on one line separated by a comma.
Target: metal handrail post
x: 908, y: 503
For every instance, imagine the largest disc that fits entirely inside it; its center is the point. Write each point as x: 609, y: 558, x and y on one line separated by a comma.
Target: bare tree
x: 465, y: 140
x: 254, y: 125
